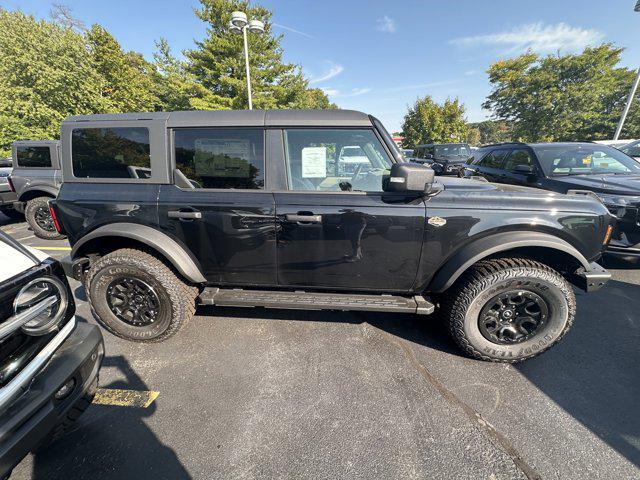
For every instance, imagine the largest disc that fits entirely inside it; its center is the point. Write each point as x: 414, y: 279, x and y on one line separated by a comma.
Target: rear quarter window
x: 121, y: 152
x: 33, y: 157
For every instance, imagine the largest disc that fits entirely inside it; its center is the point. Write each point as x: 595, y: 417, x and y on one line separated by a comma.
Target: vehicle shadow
x: 595, y: 376
x: 111, y: 442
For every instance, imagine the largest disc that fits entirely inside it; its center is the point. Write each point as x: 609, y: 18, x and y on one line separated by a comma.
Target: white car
x: 632, y: 149
x: 49, y: 361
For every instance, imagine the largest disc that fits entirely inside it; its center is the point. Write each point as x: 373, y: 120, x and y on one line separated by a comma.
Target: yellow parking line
x: 65, y: 249
x: 124, y: 398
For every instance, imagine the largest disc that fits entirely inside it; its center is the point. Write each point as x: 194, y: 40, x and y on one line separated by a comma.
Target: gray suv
x: 7, y: 196
x: 36, y: 179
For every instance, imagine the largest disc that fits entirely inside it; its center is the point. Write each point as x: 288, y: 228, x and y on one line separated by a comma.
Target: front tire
x: 39, y: 219
x: 509, y: 310
x: 137, y: 297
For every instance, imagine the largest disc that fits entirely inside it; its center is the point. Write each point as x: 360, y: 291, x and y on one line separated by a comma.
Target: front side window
x: 33, y: 157
x: 220, y: 157
x: 121, y: 152
x: 518, y: 157
x: 494, y: 159
x: 335, y: 160
x: 633, y: 149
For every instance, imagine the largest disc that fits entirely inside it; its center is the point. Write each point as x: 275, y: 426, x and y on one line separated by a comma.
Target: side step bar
x: 300, y: 300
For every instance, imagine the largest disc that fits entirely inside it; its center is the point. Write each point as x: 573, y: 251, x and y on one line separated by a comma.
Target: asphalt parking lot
x: 254, y: 393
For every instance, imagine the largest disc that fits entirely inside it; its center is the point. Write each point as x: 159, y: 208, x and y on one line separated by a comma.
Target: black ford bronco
x: 256, y: 208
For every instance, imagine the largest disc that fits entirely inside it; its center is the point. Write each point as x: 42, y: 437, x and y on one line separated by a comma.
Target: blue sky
x: 379, y: 56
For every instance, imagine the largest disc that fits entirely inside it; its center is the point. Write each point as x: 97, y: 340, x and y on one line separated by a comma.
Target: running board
x: 300, y: 300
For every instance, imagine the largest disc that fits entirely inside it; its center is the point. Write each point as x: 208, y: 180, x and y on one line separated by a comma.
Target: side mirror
x: 409, y: 177
x: 525, y: 169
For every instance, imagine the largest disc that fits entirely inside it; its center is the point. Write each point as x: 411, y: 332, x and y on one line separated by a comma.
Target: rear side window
x: 221, y: 157
x: 33, y: 157
x: 494, y: 159
x: 111, y: 152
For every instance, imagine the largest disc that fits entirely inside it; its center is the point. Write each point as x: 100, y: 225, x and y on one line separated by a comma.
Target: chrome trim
x: 20, y: 384
x: 14, y: 323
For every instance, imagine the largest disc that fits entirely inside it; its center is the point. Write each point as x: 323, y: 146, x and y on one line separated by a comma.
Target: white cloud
x: 537, y: 37
x: 333, y: 71
x: 293, y: 30
x: 387, y: 24
x: 354, y: 92
x: 471, y: 73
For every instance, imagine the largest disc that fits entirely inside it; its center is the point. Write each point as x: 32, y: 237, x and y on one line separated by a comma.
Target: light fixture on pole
x: 239, y: 25
x: 632, y: 93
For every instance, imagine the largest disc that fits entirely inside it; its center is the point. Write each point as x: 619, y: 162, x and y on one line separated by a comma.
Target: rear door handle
x: 184, y: 215
x: 292, y: 217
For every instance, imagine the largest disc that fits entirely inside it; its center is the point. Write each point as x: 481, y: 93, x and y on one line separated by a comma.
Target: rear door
x: 218, y: 206
x: 337, y: 229
x: 36, y: 163
x: 490, y: 166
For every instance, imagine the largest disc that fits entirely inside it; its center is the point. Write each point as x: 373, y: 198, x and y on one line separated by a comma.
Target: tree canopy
x: 55, y: 68
x: 563, y: 97
x: 430, y: 122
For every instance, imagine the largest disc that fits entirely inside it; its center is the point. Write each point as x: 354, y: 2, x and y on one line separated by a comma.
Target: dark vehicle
x: 255, y: 208
x: 632, y: 149
x: 49, y: 362
x: 563, y: 167
x: 443, y: 158
x: 35, y: 179
x: 7, y: 196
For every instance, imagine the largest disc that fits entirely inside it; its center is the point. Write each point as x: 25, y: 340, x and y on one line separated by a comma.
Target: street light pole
x: 246, y: 62
x: 632, y: 93
x: 239, y: 25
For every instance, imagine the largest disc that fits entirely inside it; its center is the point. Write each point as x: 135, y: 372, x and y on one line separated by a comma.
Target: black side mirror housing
x: 526, y: 169
x: 410, y: 177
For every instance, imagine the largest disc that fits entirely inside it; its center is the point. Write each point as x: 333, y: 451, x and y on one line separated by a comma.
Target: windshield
x: 453, y: 150
x: 559, y: 160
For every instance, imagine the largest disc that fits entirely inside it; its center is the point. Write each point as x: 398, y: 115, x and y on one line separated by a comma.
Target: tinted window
x: 518, y: 157
x: 633, y: 149
x: 494, y: 159
x: 33, y: 157
x: 584, y: 160
x: 452, y: 150
x: 221, y: 158
x: 335, y: 160
x: 110, y: 152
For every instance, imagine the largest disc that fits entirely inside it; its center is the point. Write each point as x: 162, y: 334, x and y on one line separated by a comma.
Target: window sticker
x: 222, y: 158
x: 314, y: 162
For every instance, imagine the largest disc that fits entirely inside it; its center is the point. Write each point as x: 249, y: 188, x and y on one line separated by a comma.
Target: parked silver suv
x: 36, y: 178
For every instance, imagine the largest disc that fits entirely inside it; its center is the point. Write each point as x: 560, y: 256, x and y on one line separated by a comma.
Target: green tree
x: 493, y: 131
x: 429, y: 122
x: 46, y: 74
x: 217, y: 62
x: 563, y: 97
x: 128, y: 85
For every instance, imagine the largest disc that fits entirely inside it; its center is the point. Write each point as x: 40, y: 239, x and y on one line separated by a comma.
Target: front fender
x: 499, y: 242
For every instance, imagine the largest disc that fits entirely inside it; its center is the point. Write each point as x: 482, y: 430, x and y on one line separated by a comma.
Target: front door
x: 337, y: 229
x: 218, y: 207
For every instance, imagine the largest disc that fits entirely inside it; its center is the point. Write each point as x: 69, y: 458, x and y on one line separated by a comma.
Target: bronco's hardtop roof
x: 237, y: 118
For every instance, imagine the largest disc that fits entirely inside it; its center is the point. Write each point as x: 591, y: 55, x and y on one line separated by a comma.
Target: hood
x: 613, y: 184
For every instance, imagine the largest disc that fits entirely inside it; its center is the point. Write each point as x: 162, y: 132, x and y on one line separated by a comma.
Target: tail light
x: 11, y: 186
x: 54, y: 217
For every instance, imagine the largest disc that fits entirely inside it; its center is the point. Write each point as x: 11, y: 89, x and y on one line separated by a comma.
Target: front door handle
x: 292, y: 217
x: 185, y: 215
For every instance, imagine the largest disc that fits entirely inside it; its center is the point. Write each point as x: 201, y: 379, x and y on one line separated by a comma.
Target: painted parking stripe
x: 25, y: 238
x: 124, y: 398
x: 62, y: 249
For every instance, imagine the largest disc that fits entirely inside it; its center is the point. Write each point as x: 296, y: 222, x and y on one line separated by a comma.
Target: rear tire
x: 39, y: 219
x: 137, y: 297
x: 509, y: 310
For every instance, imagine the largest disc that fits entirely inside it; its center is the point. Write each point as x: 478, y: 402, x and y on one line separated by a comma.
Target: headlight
x: 49, y: 296
x: 4, y: 178
x: 618, y: 200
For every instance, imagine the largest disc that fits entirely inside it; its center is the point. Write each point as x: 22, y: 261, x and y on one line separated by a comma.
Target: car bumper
x: 592, y: 279
x: 7, y: 198
x: 34, y: 415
